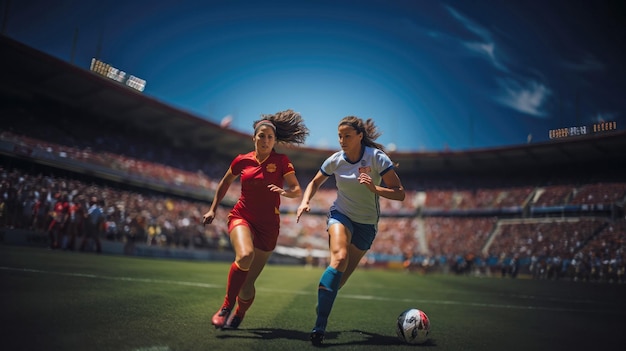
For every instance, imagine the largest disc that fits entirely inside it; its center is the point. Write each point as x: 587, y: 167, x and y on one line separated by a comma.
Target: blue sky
x: 434, y: 75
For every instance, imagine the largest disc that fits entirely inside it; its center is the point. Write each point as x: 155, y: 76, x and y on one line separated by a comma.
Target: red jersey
x: 77, y: 213
x: 60, y: 211
x: 256, y: 202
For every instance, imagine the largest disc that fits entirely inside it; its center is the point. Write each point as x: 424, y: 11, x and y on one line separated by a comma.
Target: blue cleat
x: 317, y: 337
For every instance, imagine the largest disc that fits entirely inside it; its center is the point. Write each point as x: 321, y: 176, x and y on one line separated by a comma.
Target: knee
x: 339, y: 258
x: 245, y: 257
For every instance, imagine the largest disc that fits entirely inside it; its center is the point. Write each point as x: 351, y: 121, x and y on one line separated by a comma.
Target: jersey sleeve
x: 287, y: 166
x: 383, y: 162
x: 330, y: 165
x: 236, y: 165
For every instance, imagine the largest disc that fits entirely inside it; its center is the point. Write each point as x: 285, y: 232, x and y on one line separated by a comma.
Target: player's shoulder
x: 244, y: 156
x: 332, y: 162
x: 375, y: 152
x: 338, y: 155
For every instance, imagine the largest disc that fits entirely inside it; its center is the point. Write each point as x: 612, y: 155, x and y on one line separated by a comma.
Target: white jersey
x: 353, y: 199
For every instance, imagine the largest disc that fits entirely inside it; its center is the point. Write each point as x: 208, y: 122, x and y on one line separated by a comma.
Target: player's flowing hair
x: 288, y: 125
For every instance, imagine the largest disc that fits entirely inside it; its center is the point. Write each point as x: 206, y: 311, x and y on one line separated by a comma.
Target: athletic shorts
x: 264, y: 235
x: 362, y: 234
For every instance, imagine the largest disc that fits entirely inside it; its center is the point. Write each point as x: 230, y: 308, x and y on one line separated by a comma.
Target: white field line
x: 154, y: 348
x: 343, y: 296
x: 128, y: 279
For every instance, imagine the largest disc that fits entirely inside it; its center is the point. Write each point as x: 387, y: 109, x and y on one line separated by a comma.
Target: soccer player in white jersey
x: 363, y: 173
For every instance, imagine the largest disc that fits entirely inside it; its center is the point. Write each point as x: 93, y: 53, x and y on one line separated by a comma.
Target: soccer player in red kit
x: 76, y: 223
x: 58, y: 225
x: 254, y: 221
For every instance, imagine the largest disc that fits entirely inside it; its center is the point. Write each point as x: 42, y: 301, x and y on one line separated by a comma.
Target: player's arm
x: 293, y: 189
x: 393, y: 189
x: 310, y: 190
x: 220, y: 192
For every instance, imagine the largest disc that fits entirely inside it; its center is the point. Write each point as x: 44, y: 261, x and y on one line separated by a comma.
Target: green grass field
x: 54, y: 300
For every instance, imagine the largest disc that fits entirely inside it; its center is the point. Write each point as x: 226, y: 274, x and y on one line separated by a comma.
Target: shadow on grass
x: 366, y: 338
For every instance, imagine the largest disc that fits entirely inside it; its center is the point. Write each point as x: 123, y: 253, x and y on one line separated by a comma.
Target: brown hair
x: 289, y: 126
x: 368, y: 128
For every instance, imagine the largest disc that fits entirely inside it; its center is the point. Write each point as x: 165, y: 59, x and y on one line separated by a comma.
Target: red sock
x: 243, y: 305
x: 236, y: 278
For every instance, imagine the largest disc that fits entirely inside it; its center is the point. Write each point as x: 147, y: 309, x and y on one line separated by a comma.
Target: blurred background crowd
x: 574, y: 229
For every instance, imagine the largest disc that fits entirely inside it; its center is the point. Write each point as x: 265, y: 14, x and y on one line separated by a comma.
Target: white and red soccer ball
x: 413, y: 326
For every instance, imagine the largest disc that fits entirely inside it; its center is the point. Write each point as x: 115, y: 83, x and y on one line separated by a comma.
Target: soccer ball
x: 413, y: 326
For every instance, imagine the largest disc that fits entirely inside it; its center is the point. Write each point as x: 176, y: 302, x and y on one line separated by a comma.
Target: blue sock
x: 326, y: 293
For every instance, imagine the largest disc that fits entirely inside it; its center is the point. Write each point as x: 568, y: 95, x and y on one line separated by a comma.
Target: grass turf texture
x: 54, y: 300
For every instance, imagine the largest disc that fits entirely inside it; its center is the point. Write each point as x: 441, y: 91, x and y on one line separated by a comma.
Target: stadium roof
x: 30, y: 74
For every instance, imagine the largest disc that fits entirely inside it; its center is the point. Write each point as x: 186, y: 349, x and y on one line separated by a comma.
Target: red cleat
x: 220, y: 317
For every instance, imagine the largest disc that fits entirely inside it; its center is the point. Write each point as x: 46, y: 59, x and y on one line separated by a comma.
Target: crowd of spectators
x: 581, y: 248
x: 578, y: 248
x: 598, y: 193
x: 552, y: 195
x: 28, y: 202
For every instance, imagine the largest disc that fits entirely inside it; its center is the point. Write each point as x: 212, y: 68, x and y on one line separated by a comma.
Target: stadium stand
x: 551, y: 210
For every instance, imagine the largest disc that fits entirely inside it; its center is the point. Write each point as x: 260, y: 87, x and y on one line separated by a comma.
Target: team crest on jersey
x: 364, y: 168
x: 271, y: 167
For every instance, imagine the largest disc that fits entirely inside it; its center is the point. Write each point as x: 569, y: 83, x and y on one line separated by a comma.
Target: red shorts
x: 264, y: 235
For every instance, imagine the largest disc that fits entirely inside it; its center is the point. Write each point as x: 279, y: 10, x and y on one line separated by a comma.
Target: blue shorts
x: 362, y: 234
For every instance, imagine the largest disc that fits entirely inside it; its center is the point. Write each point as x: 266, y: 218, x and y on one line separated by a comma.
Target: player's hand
x: 276, y: 189
x: 301, y: 210
x: 366, y: 180
x: 208, y: 217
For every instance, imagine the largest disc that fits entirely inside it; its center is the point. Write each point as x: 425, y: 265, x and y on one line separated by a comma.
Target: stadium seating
x: 155, y: 194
